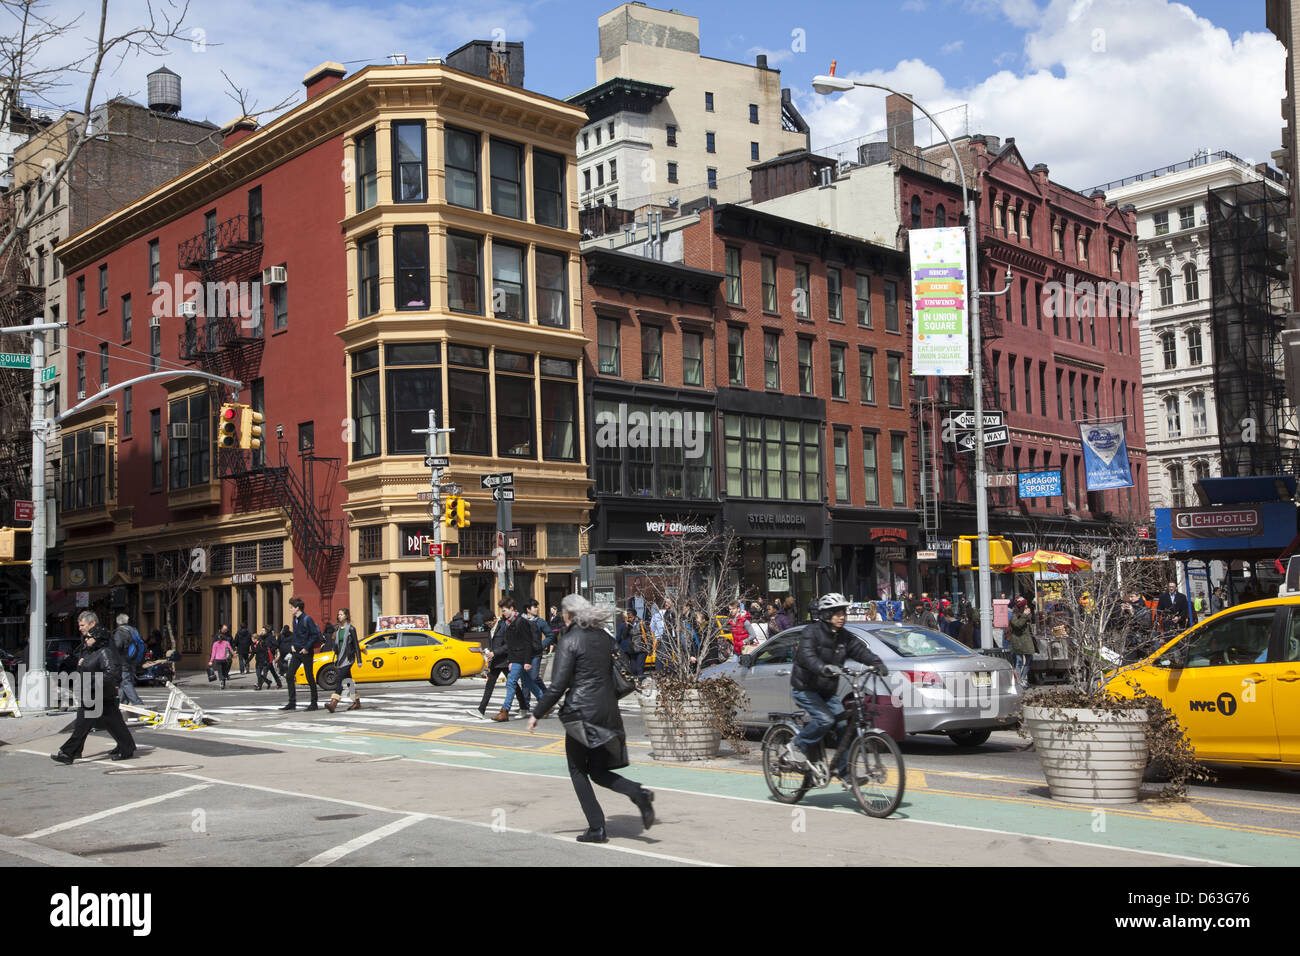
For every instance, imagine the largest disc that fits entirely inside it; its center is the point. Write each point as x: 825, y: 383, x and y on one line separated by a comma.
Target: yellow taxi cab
x: 404, y: 653
x: 1233, y: 682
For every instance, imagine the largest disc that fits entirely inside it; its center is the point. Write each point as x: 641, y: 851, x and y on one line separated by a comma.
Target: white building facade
x: 669, y: 123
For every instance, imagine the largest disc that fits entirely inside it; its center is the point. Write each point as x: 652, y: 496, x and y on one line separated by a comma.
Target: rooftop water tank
x: 164, y: 91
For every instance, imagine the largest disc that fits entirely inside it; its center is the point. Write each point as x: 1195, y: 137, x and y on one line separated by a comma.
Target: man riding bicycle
x: 822, y: 650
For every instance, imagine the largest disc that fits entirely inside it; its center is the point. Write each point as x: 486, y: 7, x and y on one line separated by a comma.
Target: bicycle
x: 874, y: 768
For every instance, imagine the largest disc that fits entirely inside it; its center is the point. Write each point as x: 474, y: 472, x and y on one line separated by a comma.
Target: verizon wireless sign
x: 1216, y: 522
x: 674, y: 528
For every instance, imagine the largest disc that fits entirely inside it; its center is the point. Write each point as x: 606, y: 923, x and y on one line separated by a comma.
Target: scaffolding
x: 1251, y: 297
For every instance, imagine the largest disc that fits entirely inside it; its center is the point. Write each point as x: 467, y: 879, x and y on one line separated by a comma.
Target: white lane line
x: 125, y: 808
x: 42, y: 854
x: 386, y: 721
x: 610, y: 847
x: 232, y: 732
x: 374, y: 836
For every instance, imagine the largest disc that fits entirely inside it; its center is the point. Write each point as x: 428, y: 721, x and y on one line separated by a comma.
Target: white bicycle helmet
x: 828, y: 604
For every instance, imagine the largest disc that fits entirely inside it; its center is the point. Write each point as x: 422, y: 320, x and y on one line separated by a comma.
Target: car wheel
x: 968, y: 738
x: 444, y: 673
x: 327, y: 678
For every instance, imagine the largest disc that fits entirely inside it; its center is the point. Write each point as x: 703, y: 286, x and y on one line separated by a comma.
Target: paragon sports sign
x: 1216, y: 522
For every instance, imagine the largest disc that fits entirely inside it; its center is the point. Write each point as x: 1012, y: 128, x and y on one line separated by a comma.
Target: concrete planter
x: 1090, y: 756
x: 691, y: 737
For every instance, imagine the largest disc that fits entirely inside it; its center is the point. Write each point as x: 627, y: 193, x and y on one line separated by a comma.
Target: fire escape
x: 228, y: 340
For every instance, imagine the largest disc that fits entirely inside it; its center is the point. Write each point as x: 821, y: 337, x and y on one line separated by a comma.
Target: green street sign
x: 15, y: 360
x: 49, y: 373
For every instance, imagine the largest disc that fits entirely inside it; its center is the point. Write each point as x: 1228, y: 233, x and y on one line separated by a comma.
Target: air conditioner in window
x: 155, y: 322
x: 98, y: 438
x: 275, y: 275
x: 81, y: 396
x: 189, y: 309
x: 1204, y: 219
x: 179, y: 430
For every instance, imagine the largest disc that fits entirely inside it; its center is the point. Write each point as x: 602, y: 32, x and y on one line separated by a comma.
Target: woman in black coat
x: 595, y: 742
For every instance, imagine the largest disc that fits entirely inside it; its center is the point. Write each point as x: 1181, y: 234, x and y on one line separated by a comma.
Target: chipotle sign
x: 1216, y: 522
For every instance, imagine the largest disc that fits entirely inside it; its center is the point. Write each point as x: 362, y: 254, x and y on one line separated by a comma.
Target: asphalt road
x: 413, y: 777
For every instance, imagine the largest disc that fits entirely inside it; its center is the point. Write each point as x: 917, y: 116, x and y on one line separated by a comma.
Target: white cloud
x: 953, y: 47
x: 267, y: 48
x: 913, y: 6
x: 1138, y: 84
x: 773, y: 56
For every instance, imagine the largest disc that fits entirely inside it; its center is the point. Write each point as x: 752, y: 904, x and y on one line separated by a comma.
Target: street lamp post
x: 826, y: 85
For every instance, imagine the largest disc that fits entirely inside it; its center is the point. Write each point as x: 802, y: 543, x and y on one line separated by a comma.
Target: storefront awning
x: 1249, y: 489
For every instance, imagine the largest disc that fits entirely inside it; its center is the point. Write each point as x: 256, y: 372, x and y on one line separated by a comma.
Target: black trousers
x: 303, y: 661
x: 494, y: 673
x: 110, y: 720
x: 265, y: 672
x: 243, y: 662
x: 588, y: 766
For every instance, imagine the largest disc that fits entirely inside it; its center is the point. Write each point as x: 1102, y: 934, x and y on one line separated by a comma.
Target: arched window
x: 940, y: 216
x: 1199, y: 423
x: 1165, y: 283
x: 1194, y: 354
x: 1190, y: 284
x: 916, y: 212
x: 1173, y: 420
x: 1169, y: 348
x: 1177, y: 489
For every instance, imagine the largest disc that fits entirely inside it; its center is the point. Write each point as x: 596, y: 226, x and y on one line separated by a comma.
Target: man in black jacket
x: 244, y: 647
x: 823, y: 648
x: 306, y: 635
x: 1174, y: 611
x: 123, y: 639
x: 97, y: 656
x: 519, y: 647
x: 543, y: 637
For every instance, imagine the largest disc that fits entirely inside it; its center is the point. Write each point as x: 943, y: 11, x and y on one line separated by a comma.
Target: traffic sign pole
x: 436, y: 462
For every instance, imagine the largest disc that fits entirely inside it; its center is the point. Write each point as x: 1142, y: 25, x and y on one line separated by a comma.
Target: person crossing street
x: 519, y: 646
x: 306, y: 635
x: 125, y: 639
x: 96, y: 657
x: 349, y: 653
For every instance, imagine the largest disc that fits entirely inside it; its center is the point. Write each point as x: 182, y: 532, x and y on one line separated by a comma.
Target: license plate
x: 983, y: 679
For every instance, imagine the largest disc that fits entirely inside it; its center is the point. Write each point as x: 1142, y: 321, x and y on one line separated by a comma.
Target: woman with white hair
x: 595, y: 742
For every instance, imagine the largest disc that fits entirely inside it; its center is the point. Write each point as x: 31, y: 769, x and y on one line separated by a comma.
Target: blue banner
x: 1105, y: 456
x: 1039, y: 484
x: 1267, y: 526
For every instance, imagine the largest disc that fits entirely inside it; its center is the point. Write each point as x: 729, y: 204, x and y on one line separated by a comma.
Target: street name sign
x: 426, y: 496
x: 49, y: 373
x: 15, y: 360
x: 450, y: 489
x: 1003, y: 479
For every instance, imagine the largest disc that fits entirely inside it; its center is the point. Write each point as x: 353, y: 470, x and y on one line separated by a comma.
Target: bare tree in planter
x: 179, y: 572
x: 688, y: 580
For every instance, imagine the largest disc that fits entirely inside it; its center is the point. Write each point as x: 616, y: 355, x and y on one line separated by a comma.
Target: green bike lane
x: 1009, y: 808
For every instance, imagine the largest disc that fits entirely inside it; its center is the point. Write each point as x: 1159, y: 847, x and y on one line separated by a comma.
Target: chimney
x: 326, y: 75
x: 1040, y: 174
x: 236, y: 130
x: 898, y: 117
x: 761, y: 61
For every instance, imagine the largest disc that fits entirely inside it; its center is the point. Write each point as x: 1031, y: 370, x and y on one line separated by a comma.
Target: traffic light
x: 228, y: 431
x: 462, y: 513
x: 449, y: 511
x: 250, y: 429
x: 7, y: 546
x: 12, y: 551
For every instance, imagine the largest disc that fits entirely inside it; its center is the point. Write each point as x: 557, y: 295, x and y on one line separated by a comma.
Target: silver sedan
x: 941, y: 686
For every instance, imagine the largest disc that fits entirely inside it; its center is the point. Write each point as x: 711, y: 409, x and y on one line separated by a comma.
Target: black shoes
x: 117, y: 756
x: 61, y: 757
x: 312, y: 706
x: 595, y: 835
x: 289, y: 707
x: 645, y: 803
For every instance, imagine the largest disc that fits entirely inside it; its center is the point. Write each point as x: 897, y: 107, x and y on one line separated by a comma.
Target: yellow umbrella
x: 1041, y: 560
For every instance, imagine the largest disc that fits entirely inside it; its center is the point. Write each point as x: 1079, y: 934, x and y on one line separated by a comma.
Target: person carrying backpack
x: 130, y: 648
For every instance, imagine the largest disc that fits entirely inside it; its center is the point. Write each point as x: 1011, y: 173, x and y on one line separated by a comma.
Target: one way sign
x: 965, y: 418
x: 992, y: 438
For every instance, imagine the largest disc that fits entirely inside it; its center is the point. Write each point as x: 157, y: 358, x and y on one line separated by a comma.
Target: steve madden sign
x: 777, y: 521
x: 675, y: 528
x: 1216, y: 522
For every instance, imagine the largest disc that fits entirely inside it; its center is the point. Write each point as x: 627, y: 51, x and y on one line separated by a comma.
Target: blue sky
x: 1096, y: 89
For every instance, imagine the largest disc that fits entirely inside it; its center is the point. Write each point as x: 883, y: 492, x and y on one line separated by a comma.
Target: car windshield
x: 907, y: 641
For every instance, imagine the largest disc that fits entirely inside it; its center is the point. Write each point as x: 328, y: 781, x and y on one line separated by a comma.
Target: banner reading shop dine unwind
x: 940, y: 331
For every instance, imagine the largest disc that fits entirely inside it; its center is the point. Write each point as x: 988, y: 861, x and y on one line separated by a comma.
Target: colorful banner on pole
x: 940, y: 330
x: 1105, y: 456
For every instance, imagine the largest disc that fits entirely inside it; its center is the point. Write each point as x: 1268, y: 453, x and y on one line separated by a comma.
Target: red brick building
x: 1060, y: 349
x: 805, y: 361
